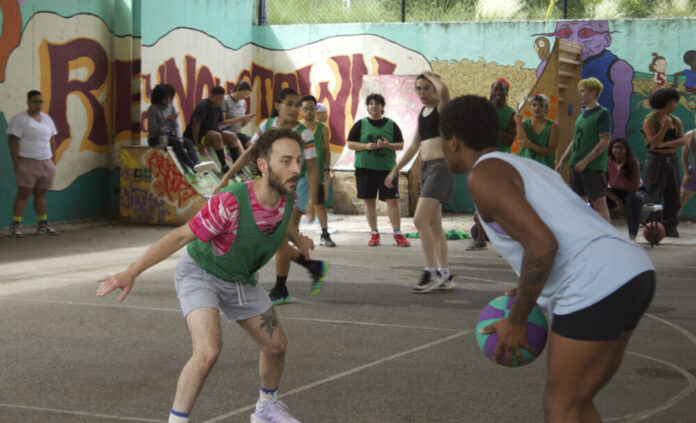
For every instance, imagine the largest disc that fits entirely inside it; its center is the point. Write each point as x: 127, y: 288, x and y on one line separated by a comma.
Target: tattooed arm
x: 498, y: 191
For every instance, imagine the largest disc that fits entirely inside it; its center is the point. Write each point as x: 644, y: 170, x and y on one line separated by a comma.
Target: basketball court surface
x: 365, y: 350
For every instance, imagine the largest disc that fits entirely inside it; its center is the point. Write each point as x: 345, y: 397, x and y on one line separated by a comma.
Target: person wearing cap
x: 538, y: 135
x: 322, y: 113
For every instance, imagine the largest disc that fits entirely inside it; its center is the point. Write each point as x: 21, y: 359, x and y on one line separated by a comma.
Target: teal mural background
x: 503, y: 46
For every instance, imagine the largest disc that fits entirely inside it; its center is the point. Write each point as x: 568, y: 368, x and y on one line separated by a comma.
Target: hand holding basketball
x: 511, y: 339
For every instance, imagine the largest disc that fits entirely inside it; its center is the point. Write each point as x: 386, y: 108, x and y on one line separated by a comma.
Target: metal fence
x: 280, y: 12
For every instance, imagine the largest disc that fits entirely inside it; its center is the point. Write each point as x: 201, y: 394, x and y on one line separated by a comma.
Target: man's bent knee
x: 207, y: 356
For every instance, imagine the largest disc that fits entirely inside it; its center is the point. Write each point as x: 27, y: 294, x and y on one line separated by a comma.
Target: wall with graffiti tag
x: 96, y: 63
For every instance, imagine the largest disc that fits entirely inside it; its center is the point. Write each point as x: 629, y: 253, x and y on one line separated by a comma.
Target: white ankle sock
x: 444, y: 272
x: 173, y: 418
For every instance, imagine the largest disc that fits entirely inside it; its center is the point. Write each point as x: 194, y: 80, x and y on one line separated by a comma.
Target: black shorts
x: 591, y: 183
x: 369, y: 181
x: 608, y: 318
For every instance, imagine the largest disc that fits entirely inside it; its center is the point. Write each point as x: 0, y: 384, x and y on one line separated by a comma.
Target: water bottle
x: 163, y: 140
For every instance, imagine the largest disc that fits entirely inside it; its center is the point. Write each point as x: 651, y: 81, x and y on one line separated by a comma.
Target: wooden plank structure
x: 559, y: 82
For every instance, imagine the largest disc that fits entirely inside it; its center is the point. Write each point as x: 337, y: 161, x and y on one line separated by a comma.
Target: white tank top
x: 593, y: 259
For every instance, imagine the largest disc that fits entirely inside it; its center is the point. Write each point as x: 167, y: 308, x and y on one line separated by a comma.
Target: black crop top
x: 428, y: 127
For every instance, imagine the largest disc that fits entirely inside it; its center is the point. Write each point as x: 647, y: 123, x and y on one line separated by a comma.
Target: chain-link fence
x: 279, y: 12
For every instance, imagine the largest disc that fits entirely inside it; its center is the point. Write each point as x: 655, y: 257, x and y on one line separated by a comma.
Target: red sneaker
x: 400, y: 241
x: 374, y: 240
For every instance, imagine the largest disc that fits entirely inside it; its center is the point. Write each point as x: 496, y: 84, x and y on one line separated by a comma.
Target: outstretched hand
x: 122, y: 280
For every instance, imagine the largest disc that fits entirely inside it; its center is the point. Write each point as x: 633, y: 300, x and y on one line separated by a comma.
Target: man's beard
x: 276, y: 183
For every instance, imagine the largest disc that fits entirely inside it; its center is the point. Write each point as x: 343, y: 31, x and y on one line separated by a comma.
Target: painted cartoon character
x: 659, y: 69
x: 615, y: 74
x: 689, y: 74
x: 543, y: 49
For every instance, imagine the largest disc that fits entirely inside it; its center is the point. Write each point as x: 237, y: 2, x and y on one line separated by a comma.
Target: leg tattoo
x: 269, y: 322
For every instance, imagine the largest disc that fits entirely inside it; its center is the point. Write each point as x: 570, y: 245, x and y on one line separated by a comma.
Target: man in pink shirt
x: 228, y: 241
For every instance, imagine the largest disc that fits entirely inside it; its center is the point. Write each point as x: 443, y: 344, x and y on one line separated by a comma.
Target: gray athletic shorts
x: 436, y: 181
x: 197, y: 288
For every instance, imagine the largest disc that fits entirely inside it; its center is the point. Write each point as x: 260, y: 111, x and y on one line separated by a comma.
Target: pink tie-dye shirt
x: 217, y: 220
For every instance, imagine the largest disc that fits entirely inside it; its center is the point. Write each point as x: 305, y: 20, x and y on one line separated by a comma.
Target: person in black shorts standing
x: 375, y: 140
x: 589, y: 149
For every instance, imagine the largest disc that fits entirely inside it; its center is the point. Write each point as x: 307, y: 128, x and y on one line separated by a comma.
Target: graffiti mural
x: 86, y: 83
x: 97, y: 82
x: 598, y: 61
x: 331, y: 70
x: 153, y: 189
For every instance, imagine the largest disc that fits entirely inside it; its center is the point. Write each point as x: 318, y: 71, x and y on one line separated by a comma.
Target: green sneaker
x: 318, y: 272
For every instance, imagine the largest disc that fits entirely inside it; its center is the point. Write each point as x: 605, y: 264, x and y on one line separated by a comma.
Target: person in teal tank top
x: 538, y: 136
x: 218, y: 271
x: 588, y: 150
x: 286, y: 108
x: 308, y: 106
x: 507, y: 128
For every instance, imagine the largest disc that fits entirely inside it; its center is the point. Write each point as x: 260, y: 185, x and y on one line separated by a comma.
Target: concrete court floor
x: 364, y: 350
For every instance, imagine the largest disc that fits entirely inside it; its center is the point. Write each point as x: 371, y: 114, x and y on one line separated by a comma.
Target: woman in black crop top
x: 663, y: 133
x: 436, y: 183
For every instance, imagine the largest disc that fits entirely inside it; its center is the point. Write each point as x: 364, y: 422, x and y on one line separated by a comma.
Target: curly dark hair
x: 631, y: 161
x: 471, y: 119
x: 689, y: 57
x: 264, y: 144
x: 159, y: 93
x: 376, y: 97
x: 661, y: 97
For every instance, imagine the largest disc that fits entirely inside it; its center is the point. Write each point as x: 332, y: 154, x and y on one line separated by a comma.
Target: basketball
x: 498, y: 309
x: 653, y: 232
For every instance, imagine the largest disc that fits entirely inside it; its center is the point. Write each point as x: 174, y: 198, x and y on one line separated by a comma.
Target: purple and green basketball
x: 498, y: 309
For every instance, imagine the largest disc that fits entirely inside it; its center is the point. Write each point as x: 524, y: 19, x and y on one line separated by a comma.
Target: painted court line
x: 79, y: 413
x: 177, y: 310
x: 345, y: 374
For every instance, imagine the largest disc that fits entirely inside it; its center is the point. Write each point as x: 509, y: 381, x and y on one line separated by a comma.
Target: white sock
x: 444, y: 272
x: 173, y: 418
x: 267, y: 395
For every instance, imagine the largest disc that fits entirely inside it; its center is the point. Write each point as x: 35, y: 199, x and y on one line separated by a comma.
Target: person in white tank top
x: 593, y: 281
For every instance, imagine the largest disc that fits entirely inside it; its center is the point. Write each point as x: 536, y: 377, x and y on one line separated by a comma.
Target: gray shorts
x: 197, y: 288
x: 437, y: 181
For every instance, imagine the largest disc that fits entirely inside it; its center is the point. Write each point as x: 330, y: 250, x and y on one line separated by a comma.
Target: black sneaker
x: 426, y: 283
x: 279, y: 295
x: 672, y: 232
x: 318, y: 271
x: 326, y: 241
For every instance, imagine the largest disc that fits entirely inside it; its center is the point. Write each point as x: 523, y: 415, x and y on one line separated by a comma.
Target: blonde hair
x: 591, y: 83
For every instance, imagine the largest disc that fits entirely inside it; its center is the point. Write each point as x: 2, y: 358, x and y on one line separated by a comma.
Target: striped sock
x: 177, y: 417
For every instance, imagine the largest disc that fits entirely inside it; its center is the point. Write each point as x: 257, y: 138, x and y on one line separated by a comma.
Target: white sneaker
x: 272, y: 411
x: 447, y: 284
x: 203, y: 167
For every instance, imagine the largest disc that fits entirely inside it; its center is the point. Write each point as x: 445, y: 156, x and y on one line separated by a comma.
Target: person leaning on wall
x: 33, y: 150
